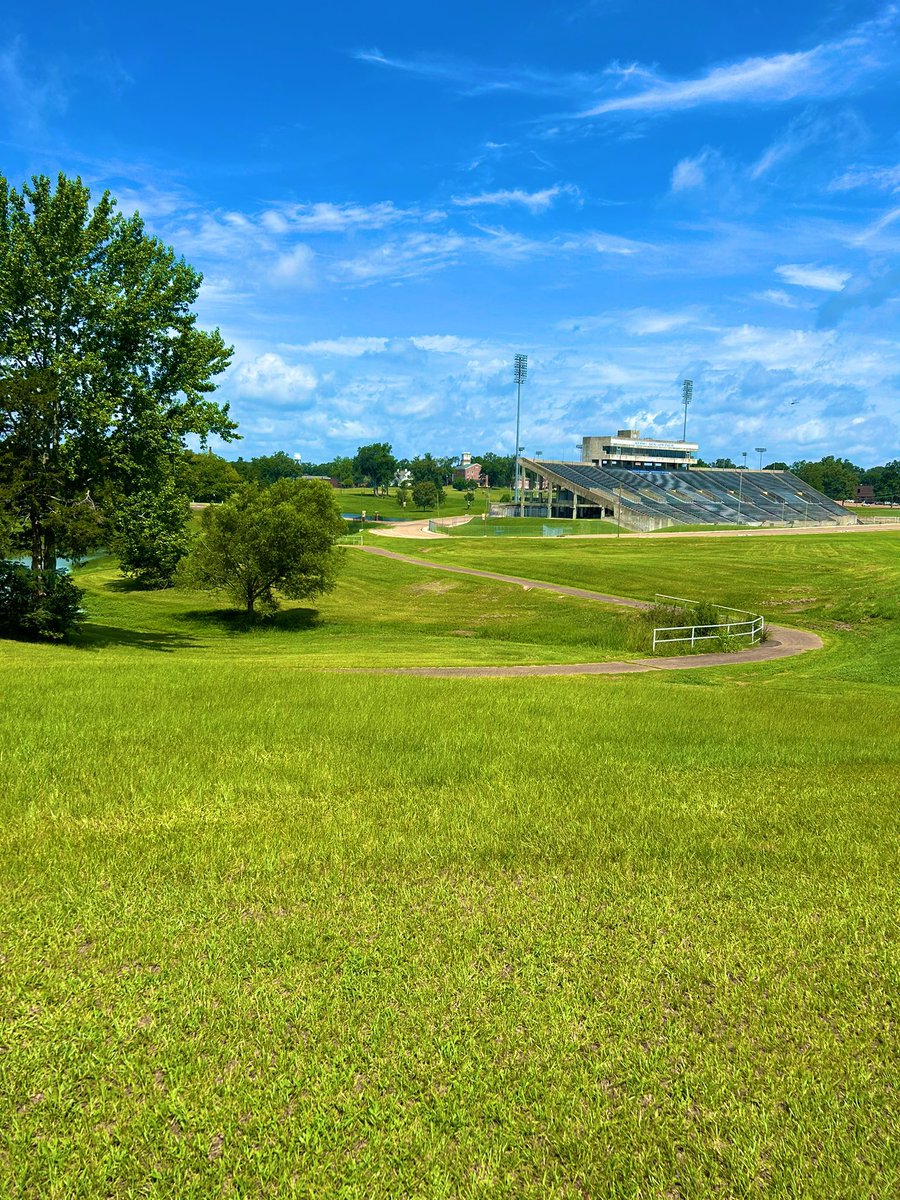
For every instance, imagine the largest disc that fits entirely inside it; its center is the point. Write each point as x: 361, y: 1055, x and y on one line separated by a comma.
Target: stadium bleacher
x: 660, y: 498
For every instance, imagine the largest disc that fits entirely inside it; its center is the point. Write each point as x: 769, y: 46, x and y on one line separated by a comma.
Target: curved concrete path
x: 782, y: 642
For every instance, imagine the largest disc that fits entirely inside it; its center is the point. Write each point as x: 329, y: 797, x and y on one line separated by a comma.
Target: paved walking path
x: 781, y: 643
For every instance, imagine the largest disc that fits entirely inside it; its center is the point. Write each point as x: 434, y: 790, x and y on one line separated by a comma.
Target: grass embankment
x: 273, y: 932
x: 382, y: 614
x: 527, y: 527
x: 836, y: 584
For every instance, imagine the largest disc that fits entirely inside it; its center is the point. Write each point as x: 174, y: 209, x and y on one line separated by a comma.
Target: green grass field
x: 273, y: 931
x: 526, y: 527
x: 355, y: 500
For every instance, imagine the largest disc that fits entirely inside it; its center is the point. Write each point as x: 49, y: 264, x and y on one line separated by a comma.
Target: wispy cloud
x: 472, y: 79
x: 27, y: 96
x: 811, y: 130
x: 345, y: 347
x: 340, y: 218
x: 535, y: 202
x: 690, y: 173
x: 886, y: 179
x: 825, y: 279
x: 829, y: 69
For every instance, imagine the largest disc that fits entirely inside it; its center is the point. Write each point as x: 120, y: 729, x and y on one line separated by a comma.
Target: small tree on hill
x: 426, y: 494
x: 265, y: 542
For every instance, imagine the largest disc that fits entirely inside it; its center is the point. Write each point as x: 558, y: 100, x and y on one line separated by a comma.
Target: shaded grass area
x: 271, y: 932
x: 381, y: 614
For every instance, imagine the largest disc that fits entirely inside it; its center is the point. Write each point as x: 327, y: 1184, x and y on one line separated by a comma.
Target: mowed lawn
x: 273, y: 931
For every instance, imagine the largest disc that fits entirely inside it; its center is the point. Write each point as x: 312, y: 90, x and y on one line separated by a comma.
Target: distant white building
x: 628, y: 449
x: 404, y: 476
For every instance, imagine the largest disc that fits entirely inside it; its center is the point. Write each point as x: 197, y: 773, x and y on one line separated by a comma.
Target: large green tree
x: 375, y: 464
x: 265, y: 541
x: 836, y: 477
x: 103, y: 371
x: 206, y: 477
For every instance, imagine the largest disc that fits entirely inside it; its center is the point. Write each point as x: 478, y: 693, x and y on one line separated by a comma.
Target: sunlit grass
x: 273, y: 931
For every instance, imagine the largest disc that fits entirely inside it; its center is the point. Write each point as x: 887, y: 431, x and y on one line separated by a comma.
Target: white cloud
x: 295, y: 266
x: 826, y: 279
x: 270, y: 377
x: 473, y: 80
x: 828, y: 69
x: 441, y: 343
x: 345, y: 347
x: 778, y: 297
x: 885, y: 179
x: 339, y: 218
x: 403, y: 258
x: 646, y: 321
x: 28, y: 99
x: 878, y: 226
x: 830, y: 133
x: 689, y: 173
x: 535, y: 202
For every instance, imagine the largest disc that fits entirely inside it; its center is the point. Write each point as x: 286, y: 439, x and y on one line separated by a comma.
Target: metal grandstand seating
x: 650, y: 499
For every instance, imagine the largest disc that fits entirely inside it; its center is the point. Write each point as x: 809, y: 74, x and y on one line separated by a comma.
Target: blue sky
x: 388, y: 201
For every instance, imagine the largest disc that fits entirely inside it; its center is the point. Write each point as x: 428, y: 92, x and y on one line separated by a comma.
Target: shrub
x: 42, y: 604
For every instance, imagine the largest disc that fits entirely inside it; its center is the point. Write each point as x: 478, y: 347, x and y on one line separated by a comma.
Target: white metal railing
x: 751, y: 626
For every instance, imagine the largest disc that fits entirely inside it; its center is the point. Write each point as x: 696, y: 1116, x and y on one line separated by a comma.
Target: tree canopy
x: 375, y: 465
x: 266, y: 469
x: 206, y: 477
x: 103, y: 371
x: 835, y: 477
x: 265, y: 541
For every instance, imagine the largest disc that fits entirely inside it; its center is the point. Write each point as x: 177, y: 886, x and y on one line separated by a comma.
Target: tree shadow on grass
x: 234, y: 622
x: 100, y: 637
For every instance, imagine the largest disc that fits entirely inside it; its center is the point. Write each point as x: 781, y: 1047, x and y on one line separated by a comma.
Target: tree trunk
x: 37, y: 547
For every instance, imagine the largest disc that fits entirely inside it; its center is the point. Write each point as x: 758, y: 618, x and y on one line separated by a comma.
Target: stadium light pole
x: 760, y: 450
x: 687, y: 395
x: 520, y: 370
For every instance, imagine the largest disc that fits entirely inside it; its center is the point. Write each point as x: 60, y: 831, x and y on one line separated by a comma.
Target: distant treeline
x: 208, y: 477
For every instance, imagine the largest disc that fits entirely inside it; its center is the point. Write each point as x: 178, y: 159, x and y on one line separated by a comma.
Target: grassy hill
x: 270, y: 930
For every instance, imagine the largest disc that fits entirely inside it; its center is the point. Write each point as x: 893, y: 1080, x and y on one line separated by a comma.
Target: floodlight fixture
x: 760, y: 450
x: 520, y: 367
x: 687, y: 395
